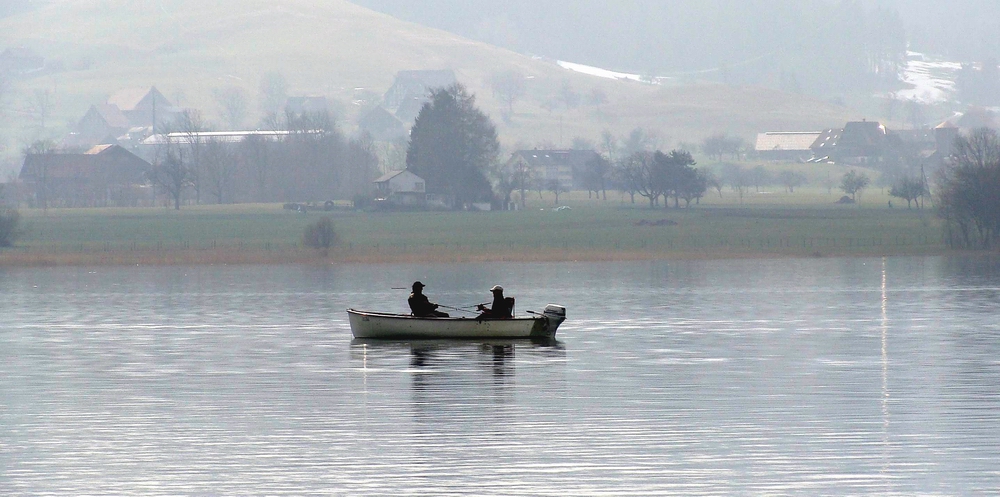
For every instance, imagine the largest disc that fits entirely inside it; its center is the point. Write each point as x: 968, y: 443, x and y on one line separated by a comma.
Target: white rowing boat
x: 365, y: 324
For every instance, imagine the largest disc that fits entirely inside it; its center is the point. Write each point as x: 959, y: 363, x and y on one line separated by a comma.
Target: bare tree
x: 909, y: 188
x: 41, y: 104
x: 759, y: 176
x: 40, y: 172
x: 191, y: 124
x: 791, y: 180
x: 594, y: 176
x: 713, y: 181
x: 968, y: 191
x: 510, y: 177
x: 273, y: 92
x: 508, y: 87
x: 854, y: 183
x: 569, y: 97
x: 639, y: 140
x: 556, y: 187
x: 627, y: 175
x: 738, y: 179
x: 255, y: 153
x: 233, y: 104
x: 172, y: 175
x: 219, y: 167
x: 720, y: 144
x: 597, y: 97
x: 609, y: 145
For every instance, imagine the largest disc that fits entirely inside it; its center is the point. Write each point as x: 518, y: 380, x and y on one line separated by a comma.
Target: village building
x: 382, y: 125
x: 563, y: 166
x: 822, y: 147
x: 861, y: 142
x: 401, y: 189
x: 411, y: 89
x: 786, y: 145
x: 145, y: 107
x: 104, y: 176
x: 102, y: 124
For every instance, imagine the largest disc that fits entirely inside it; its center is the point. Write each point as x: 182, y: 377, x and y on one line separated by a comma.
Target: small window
x: 418, y: 186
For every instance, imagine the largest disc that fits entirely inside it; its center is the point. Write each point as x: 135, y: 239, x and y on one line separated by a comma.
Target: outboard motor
x: 556, y: 315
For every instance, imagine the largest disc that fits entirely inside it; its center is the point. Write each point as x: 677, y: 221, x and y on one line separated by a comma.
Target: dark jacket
x: 420, y: 306
x: 502, y: 308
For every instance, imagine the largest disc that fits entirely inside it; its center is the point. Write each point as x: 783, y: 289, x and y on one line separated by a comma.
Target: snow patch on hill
x: 932, y: 80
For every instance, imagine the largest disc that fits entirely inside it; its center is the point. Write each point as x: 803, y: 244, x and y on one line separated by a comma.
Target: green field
x: 807, y: 223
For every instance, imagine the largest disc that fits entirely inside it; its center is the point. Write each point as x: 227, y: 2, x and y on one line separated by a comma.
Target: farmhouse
x: 548, y: 165
x: 861, y: 142
x: 411, y: 89
x: 786, y: 145
x: 401, y: 188
x: 144, y: 106
x: 382, y: 125
x: 103, y: 123
x: 823, y: 147
x: 106, y: 175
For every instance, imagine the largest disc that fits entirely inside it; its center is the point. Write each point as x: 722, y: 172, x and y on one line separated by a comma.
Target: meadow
x: 807, y: 223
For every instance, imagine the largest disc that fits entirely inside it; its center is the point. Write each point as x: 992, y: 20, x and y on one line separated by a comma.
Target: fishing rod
x: 457, y: 309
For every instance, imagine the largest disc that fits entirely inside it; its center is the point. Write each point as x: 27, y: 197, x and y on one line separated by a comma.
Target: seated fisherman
x: 502, y: 308
x: 420, y: 306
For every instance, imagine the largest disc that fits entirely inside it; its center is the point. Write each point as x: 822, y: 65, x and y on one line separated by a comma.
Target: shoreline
x: 196, y: 257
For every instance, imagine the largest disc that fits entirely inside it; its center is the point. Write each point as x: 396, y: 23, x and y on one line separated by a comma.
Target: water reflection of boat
x: 366, y: 324
x: 544, y: 345
x: 424, y: 352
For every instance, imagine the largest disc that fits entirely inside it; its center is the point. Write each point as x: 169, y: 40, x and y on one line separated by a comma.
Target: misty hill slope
x: 340, y: 50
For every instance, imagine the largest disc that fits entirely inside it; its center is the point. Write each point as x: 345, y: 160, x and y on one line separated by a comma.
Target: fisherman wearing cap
x: 502, y: 307
x: 420, y: 306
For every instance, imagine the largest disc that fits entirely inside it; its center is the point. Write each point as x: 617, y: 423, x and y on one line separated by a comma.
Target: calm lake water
x: 746, y: 377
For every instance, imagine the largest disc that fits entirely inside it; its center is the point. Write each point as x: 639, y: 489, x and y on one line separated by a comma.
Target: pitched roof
x: 83, y: 165
x: 786, y: 140
x: 827, y: 140
x: 914, y: 136
x: 111, y: 115
x: 97, y: 149
x: 392, y: 174
x: 130, y: 98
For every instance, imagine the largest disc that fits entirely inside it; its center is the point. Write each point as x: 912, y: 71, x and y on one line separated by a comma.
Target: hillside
x: 347, y: 53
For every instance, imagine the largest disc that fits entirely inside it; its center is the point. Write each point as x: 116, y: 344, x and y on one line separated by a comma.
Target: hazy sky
x: 583, y: 29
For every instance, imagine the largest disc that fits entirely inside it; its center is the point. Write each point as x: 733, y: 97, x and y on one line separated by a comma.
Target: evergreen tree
x: 453, y: 145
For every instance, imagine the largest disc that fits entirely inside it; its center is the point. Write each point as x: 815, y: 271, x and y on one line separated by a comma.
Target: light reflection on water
x: 826, y: 376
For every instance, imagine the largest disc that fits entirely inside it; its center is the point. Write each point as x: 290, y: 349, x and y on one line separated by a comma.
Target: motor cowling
x: 555, y: 312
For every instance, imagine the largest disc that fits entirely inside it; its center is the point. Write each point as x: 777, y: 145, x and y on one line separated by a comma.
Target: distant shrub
x: 320, y: 235
x: 10, y: 230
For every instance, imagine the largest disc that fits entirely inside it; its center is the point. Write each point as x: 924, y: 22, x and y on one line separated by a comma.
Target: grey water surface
x: 737, y: 377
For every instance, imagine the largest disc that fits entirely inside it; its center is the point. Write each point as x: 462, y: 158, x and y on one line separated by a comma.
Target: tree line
x: 314, y: 161
x: 968, y: 191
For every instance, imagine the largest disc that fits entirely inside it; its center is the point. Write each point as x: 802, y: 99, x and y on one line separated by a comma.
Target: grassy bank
x: 762, y: 225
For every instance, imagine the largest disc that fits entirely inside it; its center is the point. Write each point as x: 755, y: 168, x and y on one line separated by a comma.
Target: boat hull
x: 366, y: 324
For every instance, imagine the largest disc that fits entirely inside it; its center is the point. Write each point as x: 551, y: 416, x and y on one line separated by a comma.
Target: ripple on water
x: 674, y: 378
